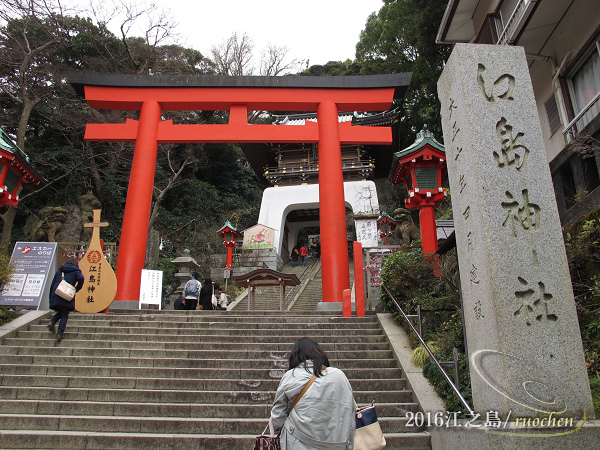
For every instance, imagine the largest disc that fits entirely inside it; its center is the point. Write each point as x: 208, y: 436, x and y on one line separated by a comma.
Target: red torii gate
x: 152, y: 95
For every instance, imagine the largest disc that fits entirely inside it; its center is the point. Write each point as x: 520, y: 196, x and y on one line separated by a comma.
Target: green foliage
x: 7, y: 316
x: 419, y: 356
x: 401, y: 38
x: 595, y: 386
x: 6, y: 269
x: 582, y: 241
x: 441, y: 386
x: 411, y: 280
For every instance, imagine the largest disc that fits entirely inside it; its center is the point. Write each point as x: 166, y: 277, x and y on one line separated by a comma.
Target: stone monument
x: 185, y: 266
x: 524, y: 344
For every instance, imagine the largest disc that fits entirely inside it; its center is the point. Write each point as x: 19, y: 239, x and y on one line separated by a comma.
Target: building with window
x: 561, y: 39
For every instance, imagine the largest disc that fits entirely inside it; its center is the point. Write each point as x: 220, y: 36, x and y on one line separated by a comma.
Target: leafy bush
x: 411, y: 280
x: 419, y: 356
x: 7, y: 316
x: 6, y: 269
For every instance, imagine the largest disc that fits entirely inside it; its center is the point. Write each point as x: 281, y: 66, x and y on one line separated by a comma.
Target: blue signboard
x: 34, y: 265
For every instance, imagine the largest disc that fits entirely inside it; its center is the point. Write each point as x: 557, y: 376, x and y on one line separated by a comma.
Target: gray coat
x: 324, y: 416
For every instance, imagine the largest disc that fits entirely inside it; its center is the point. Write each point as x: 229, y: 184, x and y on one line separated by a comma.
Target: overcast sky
x: 317, y: 30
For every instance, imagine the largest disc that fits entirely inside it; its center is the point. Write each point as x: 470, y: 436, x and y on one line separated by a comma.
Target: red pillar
x: 229, y: 264
x: 359, y: 279
x: 134, y: 233
x: 346, y: 303
x: 334, y: 242
x: 428, y: 229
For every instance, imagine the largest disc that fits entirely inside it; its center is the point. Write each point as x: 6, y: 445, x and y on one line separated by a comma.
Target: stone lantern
x: 185, y: 266
x: 14, y: 171
x: 421, y: 168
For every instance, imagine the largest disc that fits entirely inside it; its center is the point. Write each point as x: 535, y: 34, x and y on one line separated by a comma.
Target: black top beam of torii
x: 399, y: 81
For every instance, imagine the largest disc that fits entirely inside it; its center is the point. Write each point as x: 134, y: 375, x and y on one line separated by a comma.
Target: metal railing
x: 573, y: 127
x: 433, y: 358
x: 521, y: 8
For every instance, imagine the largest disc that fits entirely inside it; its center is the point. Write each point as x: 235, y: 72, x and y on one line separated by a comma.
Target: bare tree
x: 172, y: 181
x: 155, y: 24
x: 233, y: 56
x: 274, y: 61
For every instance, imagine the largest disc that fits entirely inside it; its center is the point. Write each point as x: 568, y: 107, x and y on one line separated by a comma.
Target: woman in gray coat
x: 324, y: 416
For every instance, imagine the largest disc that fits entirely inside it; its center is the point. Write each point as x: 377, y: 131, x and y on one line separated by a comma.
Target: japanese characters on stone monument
x: 523, y: 337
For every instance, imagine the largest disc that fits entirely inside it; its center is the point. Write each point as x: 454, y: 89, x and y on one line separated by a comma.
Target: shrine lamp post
x: 386, y: 225
x: 14, y: 171
x: 229, y: 234
x: 421, y: 168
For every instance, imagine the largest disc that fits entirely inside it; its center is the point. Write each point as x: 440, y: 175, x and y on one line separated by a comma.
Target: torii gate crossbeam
x: 237, y: 95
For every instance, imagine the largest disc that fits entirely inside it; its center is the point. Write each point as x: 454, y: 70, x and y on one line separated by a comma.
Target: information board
x: 366, y: 232
x: 34, y: 264
x: 151, y: 288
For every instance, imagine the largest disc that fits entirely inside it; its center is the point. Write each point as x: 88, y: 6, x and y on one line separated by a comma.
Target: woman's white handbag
x: 65, y: 290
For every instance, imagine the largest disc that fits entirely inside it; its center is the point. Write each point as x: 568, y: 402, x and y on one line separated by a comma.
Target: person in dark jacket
x: 206, y: 293
x: 179, y: 303
x: 295, y: 254
x: 63, y: 307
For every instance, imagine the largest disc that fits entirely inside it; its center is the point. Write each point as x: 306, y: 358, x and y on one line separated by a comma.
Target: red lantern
x: 14, y: 170
x: 421, y: 168
x: 229, y: 234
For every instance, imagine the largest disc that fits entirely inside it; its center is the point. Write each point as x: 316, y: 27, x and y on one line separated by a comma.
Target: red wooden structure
x: 151, y: 95
x: 386, y: 225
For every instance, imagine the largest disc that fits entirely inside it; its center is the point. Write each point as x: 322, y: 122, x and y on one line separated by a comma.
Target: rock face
x: 63, y: 224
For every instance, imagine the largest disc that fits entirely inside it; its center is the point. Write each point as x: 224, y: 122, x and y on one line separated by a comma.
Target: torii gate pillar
x: 334, y: 246
x: 134, y: 233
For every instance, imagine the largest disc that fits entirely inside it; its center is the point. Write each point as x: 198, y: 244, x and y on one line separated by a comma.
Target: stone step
x: 166, y: 315
x: 264, y: 373
x: 162, y: 425
x: 187, y: 328
x: 182, y: 344
x: 81, y: 381
x: 199, y: 337
x: 42, y: 439
x: 241, y: 352
x: 290, y: 322
x: 127, y: 394
x: 206, y: 410
x: 107, y: 361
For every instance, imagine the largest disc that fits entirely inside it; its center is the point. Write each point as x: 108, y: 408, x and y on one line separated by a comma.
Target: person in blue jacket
x: 63, y: 307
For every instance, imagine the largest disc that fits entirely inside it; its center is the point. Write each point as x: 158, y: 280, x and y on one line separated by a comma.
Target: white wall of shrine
x: 278, y: 202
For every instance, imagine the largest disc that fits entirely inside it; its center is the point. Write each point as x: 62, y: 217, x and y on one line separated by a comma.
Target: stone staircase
x: 267, y: 297
x: 181, y: 379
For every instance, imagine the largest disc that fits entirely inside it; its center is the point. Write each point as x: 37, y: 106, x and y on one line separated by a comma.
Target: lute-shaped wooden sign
x: 100, y: 283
